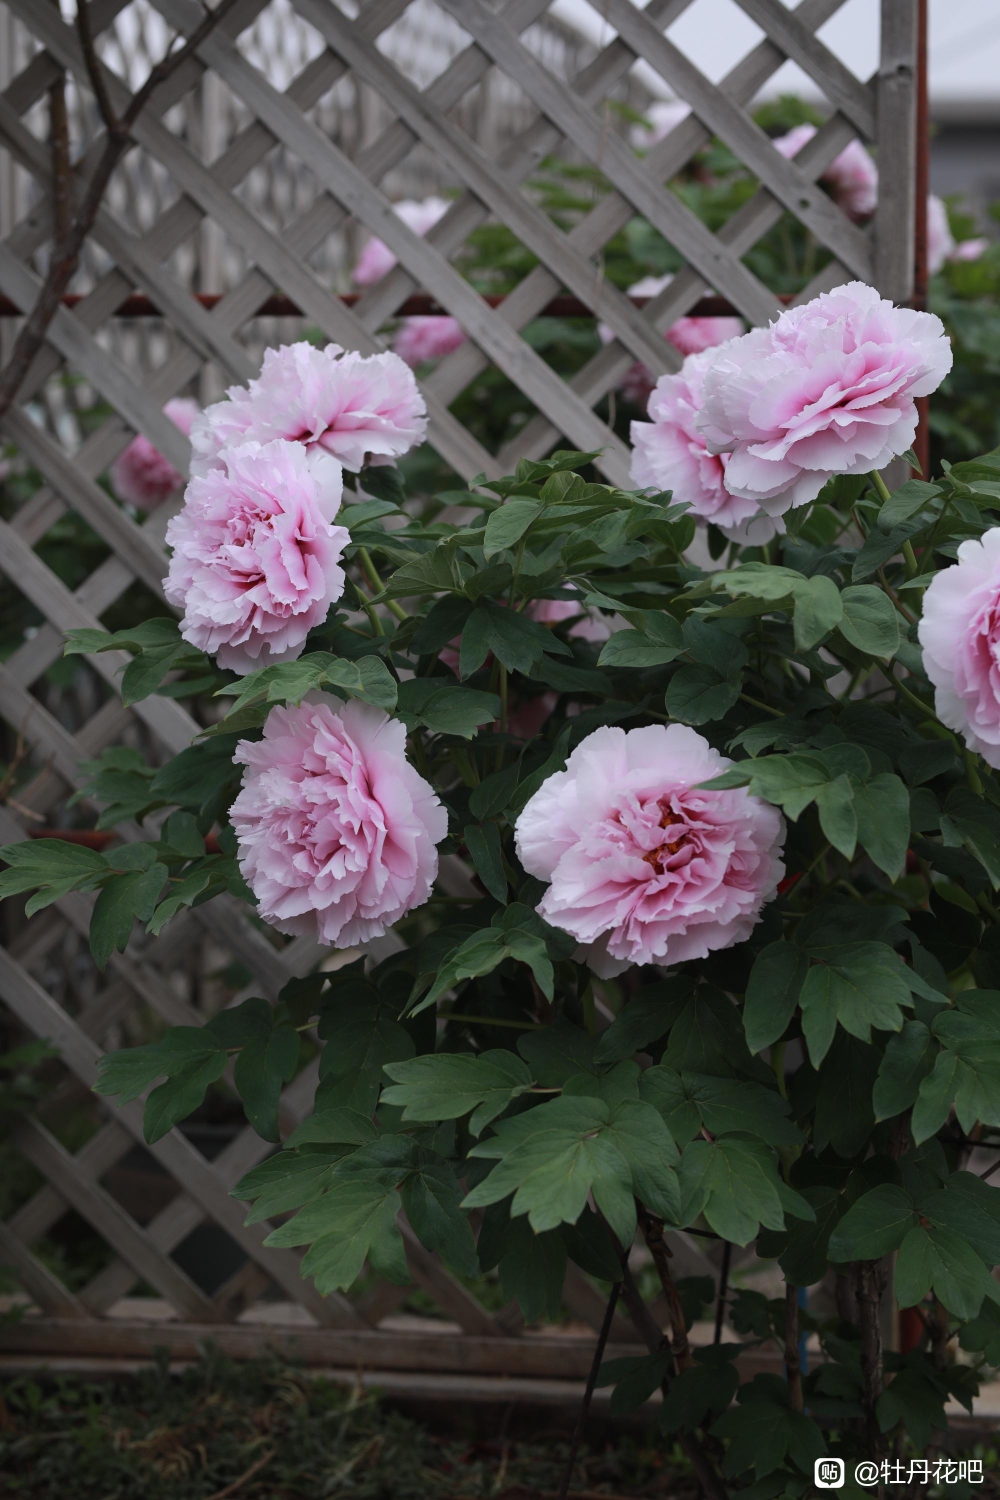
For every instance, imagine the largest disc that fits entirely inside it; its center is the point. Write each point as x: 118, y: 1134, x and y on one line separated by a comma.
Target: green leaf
x: 432, y: 1198
x: 703, y: 1390
x: 818, y: 610
x: 905, y: 502
x: 735, y: 1184
x: 532, y: 1269
x: 435, y: 572
x: 936, y: 1259
x: 971, y: 1208
x: 882, y: 806
x: 333, y: 1125
x: 635, y: 1379
x: 791, y: 782
x: 870, y: 623
x: 508, y: 524
x: 367, y: 678
x: 483, y: 843
x: 447, y: 1085
x: 360, y: 1038
x: 773, y: 992
x: 352, y: 1222
x: 493, y: 794
x: 551, y: 1158
x: 446, y: 708
x: 763, y: 1431
x: 558, y: 1053
x: 181, y: 1095
x: 631, y: 648
x: 53, y: 867
x: 643, y: 1019
x: 285, y: 1181
x: 865, y: 987
x: 971, y: 821
x: 837, y: 815
x: 692, y: 1101
x: 697, y: 695
x: 264, y: 1064
x: 873, y: 1226
x: 906, y: 1062
x: 123, y: 899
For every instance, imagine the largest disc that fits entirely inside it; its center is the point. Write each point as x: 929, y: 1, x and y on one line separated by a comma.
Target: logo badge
x: 828, y: 1473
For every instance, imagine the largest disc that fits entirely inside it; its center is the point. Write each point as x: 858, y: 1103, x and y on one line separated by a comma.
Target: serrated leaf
x: 447, y: 1085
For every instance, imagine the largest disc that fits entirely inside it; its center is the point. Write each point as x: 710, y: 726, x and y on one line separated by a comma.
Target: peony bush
x: 651, y: 871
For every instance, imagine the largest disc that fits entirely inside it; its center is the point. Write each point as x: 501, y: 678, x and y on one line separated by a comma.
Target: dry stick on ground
x: 66, y: 256
x: 793, y: 1365
x: 656, y: 1343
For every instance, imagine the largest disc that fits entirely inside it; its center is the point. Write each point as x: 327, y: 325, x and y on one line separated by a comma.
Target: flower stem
x: 456, y: 1015
x: 372, y: 574
x: 879, y: 485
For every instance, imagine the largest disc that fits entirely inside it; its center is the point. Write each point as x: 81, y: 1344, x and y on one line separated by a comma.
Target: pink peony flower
x: 971, y: 249
x: 643, y: 867
x: 376, y: 259
x: 669, y: 452
x: 940, y: 240
x: 256, y: 560
x: 852, y: 176
x: 140, y: 475
x: 688, y: 336
x: 351, y: 405
x: 828, y: 388
x: 337, y: 832
x: 419, y: 339
x: 960, y: 635
x: 662, y: 117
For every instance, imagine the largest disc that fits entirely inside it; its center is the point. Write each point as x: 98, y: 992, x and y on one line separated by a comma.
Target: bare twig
x: 652, y: 1233
x: 119, y: 137
x: 793, y: 1365
x: 588, y: 1394
x: 237, y: 1484
x: 652, y: 1336
x: 95, y: 69
x: 720, y: 1306
x: 62, y: 176
x: 870, y: 1285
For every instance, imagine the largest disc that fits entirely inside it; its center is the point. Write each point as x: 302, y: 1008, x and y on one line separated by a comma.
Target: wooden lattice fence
x: 215, y: 953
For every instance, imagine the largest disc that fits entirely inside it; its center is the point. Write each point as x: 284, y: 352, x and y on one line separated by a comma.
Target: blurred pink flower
x: 376, y: 259
x: 828, y: 388
x: 688, y: 336
x: 662, y: 117
x: 960, y: 636
x: 852, y: 176
x: 140, y: 475
x: 350, y: 405
x: 940, y: 240
x: 337, y: 832
x: 643, y: 866
x: 971, y: 249
x: 256, y: 559
x: 419, y: 339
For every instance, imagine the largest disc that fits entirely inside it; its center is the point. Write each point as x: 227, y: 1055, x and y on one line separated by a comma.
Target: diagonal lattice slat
x: 208, y: 191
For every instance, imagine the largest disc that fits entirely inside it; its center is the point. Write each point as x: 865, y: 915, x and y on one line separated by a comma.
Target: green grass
x: 188, y: 1436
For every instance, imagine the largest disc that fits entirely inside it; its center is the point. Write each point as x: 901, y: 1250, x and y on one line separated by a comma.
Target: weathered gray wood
x: 785, y: 179
x: 613, y: 211
x: 897, y: 146
x: 97, y: 1206
x: 853, y: 98
x: 36, y: 1278
x: 42, y: 1016
x: 605, y: 150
